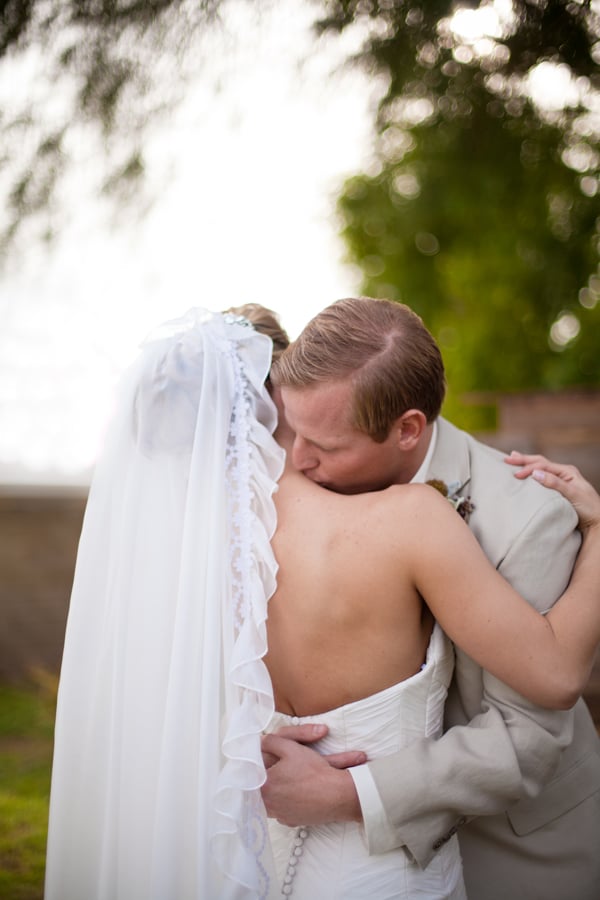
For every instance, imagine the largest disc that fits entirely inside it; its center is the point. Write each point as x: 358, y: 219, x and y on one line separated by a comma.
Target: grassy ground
x: 26, y: 722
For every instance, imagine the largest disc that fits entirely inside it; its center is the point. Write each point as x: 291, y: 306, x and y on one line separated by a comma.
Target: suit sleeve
x: 509, y: 748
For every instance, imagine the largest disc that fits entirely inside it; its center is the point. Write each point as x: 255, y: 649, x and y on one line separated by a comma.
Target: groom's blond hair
x: 384, y: 347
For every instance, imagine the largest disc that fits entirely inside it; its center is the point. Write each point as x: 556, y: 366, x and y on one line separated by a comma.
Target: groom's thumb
x: 347, y: 759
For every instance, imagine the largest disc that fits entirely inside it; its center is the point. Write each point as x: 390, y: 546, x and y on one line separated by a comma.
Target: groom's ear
x: 409, y: 429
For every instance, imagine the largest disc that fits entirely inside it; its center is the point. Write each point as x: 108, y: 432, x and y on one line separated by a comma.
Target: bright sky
x: 245, y: 179
x: 245, y: 215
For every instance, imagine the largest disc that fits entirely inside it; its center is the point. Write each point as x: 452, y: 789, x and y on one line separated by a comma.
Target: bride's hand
x: 565, y: 479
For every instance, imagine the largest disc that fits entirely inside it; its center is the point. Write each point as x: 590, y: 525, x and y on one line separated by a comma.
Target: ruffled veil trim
x: 164, y: 692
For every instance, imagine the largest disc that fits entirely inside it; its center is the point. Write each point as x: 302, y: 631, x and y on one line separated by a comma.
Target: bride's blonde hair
x: 266, y: 321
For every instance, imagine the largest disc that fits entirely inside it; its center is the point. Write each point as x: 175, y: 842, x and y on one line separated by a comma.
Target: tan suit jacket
x: 521, y: 785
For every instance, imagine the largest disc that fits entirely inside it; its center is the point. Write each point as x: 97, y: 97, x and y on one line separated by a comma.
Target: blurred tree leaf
x: 105, y: 70
x: 480, y: 209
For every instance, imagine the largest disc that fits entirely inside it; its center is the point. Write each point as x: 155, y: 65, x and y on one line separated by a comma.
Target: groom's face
x: 329, y: 449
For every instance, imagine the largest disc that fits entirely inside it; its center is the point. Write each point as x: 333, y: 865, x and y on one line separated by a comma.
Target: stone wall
x: 562, y: 425
x: 39, y: 534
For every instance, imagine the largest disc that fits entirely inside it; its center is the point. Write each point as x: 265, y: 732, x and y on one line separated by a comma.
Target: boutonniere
x: 453, y: 492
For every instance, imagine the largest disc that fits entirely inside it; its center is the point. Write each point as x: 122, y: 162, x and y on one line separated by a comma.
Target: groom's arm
x: 432, y: 788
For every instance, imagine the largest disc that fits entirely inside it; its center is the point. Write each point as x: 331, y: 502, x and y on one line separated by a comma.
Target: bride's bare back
x: 349, y: 619
x: 346, y: 620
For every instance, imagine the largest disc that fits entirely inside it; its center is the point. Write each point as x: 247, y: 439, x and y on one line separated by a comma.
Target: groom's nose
x: 304, y: 457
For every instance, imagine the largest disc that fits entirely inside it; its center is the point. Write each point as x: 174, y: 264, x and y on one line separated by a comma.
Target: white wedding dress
x: 331, y: 862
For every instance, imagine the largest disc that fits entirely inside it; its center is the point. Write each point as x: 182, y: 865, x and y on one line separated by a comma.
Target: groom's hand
x: 303, y: 787
x: 308, y: 734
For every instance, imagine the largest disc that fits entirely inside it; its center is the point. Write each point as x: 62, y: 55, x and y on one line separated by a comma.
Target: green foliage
x: 28, y: 712
x: 410, y: 40
x: 489, y: 252
x: 26, y: 722
x: 472, y: 215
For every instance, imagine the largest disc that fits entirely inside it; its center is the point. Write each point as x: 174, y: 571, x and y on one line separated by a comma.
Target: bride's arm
x: 575, y: 623
x: 548, y: 659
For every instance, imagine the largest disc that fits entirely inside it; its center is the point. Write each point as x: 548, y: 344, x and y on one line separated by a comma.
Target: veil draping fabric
x: 163, y: 692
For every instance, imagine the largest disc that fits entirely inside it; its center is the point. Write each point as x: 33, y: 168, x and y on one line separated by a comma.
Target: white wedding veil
x: 163, y: 691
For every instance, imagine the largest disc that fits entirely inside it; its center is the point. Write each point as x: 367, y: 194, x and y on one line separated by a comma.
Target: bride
x: 193, y: 525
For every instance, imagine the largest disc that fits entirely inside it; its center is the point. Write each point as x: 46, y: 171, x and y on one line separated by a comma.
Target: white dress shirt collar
x: 421, y: 472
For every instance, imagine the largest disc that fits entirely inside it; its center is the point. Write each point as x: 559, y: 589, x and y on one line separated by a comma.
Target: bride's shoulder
x: 419, y: 502
x: 413, y: 494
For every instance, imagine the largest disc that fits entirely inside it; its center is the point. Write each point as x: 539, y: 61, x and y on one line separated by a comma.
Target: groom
x: 362, y: 388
